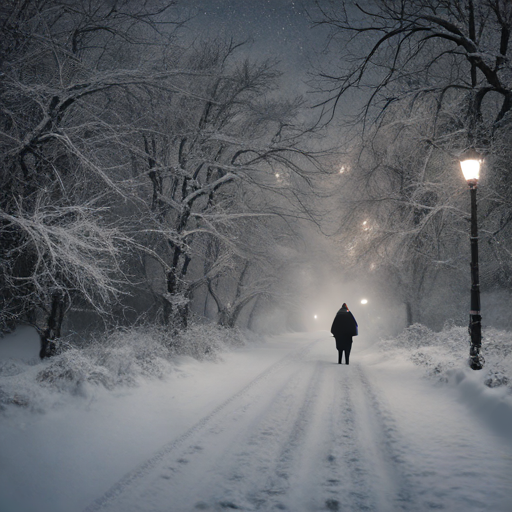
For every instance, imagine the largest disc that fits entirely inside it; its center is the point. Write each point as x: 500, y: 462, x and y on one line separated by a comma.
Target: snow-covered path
x: 295, y: 431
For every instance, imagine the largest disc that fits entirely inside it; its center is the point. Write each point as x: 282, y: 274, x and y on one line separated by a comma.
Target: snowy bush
x: 439, y: 352
x: 72, y: 369
x: 205, y: 341
x: 119, y: 358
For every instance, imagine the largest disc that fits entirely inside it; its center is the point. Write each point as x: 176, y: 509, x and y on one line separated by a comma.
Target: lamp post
x: 470, y: 165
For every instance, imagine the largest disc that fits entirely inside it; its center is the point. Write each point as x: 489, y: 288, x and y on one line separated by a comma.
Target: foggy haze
x: 355, y: 191
x: 189, y: 192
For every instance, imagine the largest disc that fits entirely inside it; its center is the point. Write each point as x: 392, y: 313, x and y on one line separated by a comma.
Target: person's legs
x: 348, y: 348
x: 339, y: 356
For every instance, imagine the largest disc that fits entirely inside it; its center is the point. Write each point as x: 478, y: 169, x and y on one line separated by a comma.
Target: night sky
x: 279, y: 29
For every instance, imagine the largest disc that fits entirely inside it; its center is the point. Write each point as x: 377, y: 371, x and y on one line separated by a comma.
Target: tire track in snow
x: 394, y: 489
x: 362, y: 467
x: 246, y: 466
x: 131, y: 477
x: 286, y: 458
x: 311, y: 459
x: 348, y: 486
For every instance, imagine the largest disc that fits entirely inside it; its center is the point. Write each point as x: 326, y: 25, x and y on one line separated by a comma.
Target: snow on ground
x: 443, y: 357
x: 269, y: 425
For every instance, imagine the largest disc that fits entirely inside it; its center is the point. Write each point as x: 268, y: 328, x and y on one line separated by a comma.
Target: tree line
x: 433, y: 79
x: 143, y: 176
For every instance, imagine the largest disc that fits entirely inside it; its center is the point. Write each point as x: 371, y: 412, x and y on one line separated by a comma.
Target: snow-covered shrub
x: 124, y: 355
x: 119, y: 358
x: 438, y: 352
x: 130, y: 353
x: 71, y: 369
x: 205, y: 341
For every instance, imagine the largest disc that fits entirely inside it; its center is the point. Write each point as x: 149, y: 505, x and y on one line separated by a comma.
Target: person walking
x: 344, y: 327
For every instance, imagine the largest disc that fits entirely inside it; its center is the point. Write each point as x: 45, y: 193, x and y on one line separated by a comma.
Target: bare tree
x: 60, y: 66
x: 213, y: 150
x: 118, y: 141
x: 399, y: 49
x: 403, y: 207
x: 433, y: 78
x: 255, y: 264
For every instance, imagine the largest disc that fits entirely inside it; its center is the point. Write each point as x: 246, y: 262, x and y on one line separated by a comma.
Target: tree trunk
x: 409, y: 312
x: 252, y: 315
x: 54, y: 325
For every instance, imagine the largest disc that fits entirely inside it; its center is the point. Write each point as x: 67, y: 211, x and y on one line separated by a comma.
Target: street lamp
x: 470, y: 164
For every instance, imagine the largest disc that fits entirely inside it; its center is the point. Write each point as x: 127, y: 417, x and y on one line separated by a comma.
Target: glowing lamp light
x: 470, y: 165
x: 364, y: 301
x: 315, y: 317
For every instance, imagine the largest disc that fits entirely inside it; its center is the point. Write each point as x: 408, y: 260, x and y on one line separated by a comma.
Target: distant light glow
x: 364, y: 301
x: 315, y: 317
x: 277, y: 175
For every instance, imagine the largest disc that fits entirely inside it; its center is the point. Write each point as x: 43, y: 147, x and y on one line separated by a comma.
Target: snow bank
x: 122, y: 357
x: 444, y: 356
x: 442, y: 352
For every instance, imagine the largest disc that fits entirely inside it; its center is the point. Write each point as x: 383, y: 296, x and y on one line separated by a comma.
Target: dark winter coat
x: 344, y: 327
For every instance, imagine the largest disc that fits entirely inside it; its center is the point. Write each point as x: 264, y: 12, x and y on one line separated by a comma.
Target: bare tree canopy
x: 132, y: 162
x: 431, y: 78
x: 396, y: 49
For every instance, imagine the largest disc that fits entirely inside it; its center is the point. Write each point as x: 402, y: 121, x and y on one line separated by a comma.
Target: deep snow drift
x: 268, y: 424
